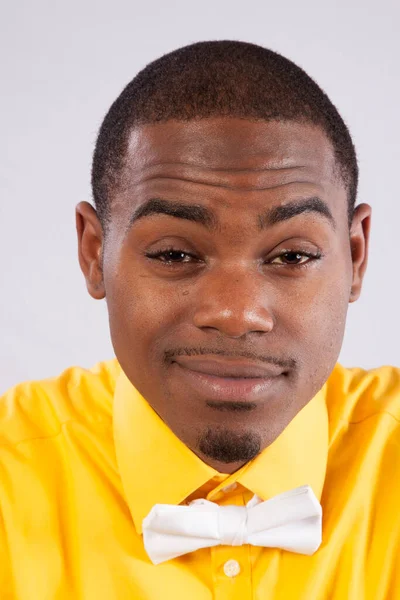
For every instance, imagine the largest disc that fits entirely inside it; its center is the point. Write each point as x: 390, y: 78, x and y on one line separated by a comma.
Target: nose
x: 234, y: 303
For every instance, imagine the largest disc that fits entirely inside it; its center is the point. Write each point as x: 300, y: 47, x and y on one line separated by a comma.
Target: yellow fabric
x: 83, y: 458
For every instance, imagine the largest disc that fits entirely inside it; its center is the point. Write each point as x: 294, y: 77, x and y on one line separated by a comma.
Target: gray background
x: 63, y: 63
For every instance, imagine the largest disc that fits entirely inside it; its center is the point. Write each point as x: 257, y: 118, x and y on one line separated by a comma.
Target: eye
x: 171, y: 256
x: 294, y: 258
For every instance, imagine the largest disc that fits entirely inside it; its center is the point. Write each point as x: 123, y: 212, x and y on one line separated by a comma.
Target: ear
x: 359, y: 244
x: 90, y: 247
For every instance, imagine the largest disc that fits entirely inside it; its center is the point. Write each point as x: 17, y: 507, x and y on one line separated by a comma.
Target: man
x: 223, y: 453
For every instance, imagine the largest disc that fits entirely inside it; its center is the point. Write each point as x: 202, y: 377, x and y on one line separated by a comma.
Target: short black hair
x: 210, y: 79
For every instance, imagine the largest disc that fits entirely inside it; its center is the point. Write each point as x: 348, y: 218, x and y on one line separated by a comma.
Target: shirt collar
x: 157, y: 467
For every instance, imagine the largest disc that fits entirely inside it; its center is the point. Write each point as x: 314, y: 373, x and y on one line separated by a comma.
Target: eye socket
x: 166, y: 257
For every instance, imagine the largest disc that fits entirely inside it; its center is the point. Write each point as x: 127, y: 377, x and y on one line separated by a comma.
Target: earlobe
x: 90, y: 247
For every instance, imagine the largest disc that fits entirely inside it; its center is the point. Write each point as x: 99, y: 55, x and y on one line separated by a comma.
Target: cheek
x: 314, y: 319
x: 140, y: 313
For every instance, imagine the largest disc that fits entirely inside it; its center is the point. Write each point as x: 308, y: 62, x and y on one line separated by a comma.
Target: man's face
x: 243, y: 288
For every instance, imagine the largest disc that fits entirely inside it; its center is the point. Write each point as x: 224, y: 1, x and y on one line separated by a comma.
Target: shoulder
x: 361, y: 492
x: 37, y: 409
x: 355, y: 394
x: 364, y: 417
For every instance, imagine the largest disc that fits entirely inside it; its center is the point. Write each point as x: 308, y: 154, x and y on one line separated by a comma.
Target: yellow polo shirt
x: 83, y: 458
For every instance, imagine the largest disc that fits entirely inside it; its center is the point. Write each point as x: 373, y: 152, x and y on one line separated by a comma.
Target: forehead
x: 230, y: 159
x: 230, y: 143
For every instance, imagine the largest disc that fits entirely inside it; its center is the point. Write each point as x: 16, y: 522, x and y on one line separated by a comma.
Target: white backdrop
x: 63, y: 63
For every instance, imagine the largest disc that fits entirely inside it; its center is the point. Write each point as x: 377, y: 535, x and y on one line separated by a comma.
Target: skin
x: 238, y: 296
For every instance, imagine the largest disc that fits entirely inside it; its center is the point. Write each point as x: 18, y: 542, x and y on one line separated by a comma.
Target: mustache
x: 283, y: 362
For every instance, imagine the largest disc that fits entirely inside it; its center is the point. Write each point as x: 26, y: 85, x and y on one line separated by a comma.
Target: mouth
x: 246, y: 388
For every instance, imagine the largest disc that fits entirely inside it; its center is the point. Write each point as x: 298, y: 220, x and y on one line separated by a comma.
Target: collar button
x: 229, y: 488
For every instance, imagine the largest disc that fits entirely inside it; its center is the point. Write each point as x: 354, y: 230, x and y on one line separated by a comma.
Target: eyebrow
x: 202, y: 215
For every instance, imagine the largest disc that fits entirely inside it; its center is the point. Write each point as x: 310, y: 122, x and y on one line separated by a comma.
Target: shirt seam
x: 53, y: 435
x: 382, y: 412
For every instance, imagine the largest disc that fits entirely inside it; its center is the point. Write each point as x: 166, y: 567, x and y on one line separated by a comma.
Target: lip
x: 251, y: 382
x: 229, y: 367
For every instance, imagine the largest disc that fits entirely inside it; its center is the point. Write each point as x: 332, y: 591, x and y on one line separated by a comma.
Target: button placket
x: 231, y: 564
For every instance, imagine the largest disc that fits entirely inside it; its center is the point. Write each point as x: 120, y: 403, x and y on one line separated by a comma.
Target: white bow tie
x: 291, y: 521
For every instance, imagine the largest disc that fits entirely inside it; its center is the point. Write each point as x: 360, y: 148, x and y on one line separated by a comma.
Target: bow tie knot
x: 232, y: 522
x: 232, y: 525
